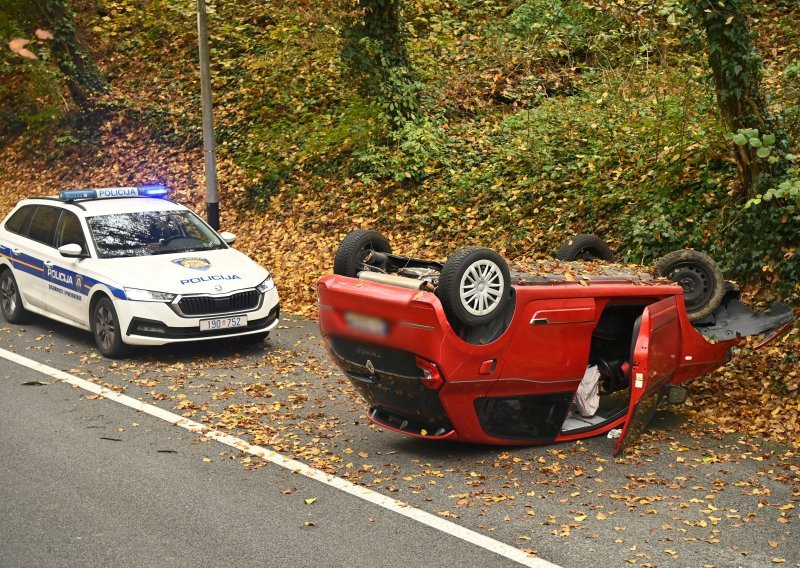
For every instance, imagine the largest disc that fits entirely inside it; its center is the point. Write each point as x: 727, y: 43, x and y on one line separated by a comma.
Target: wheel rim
x: 8, y: 295
x: 696, y: 282
x: 362, y: 256
x: 104, y: 327
x: 481, y: 287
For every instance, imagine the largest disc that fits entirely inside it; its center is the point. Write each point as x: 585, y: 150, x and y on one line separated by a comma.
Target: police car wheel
x: 10, y: 300
x: 107, y: 333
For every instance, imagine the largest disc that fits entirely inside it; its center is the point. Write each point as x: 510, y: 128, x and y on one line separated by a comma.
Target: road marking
x: 428, y: 519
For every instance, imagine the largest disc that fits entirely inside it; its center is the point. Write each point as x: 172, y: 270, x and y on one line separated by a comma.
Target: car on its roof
x: 470, y: 350
x: 132, y: 267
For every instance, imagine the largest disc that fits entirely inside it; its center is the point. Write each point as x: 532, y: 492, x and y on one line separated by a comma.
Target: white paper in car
x: 587, y: 399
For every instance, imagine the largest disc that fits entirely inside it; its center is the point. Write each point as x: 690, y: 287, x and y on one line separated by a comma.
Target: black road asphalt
x: 87, y: 482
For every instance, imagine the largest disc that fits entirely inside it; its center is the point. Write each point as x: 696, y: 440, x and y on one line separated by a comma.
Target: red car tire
x: 474, y: 285
x: 354, y: 248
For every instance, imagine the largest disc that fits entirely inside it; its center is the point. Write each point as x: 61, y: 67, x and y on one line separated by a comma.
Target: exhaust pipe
x: 395, y: 280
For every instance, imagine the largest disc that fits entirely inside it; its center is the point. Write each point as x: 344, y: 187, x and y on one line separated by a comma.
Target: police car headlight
x: 266, y: 285
x: 139, y: 295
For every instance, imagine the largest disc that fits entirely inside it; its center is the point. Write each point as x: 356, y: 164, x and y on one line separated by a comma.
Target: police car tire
x: 10, y: 299
x: 104, y: 322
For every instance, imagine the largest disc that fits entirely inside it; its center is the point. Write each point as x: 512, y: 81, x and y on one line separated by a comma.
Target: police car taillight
x: 110, y: 192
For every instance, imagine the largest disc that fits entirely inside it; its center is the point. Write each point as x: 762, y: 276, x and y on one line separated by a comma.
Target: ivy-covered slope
x: 531, y: 120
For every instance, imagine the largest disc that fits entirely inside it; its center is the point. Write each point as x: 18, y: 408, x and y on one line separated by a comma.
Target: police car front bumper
x: 156, y: 323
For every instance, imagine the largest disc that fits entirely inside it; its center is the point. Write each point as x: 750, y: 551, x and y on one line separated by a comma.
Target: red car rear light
x: 431, y: 377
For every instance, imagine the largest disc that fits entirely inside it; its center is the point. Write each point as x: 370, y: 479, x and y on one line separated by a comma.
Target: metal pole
x: 209, y: 150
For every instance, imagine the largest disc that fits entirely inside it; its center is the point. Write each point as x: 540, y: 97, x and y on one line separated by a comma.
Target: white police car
x: 131, y: 267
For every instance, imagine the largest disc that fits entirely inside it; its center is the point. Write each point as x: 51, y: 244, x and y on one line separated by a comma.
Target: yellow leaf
x: 16, y: 44
x: 26, y: 53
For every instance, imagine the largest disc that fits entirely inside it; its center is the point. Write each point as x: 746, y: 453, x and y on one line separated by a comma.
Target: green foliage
x: 560, y: 28
x: 39, y: 89
x: 375, y: 56
x: 731, y: 49
x: 736, y: 67
x: 764, y: 240
x: 507, y: 125
x: 411, y: 156
x: 791, y: 94
x: 786, y: 192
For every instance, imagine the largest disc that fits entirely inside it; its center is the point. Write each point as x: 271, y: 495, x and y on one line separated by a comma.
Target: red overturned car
x: 470, y: 350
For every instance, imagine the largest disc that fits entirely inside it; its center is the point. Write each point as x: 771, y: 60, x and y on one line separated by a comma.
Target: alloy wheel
x: 481, y: 287
x: 8, y: 295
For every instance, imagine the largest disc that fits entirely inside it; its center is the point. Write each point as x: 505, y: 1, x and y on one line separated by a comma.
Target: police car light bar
x: 108, y: 192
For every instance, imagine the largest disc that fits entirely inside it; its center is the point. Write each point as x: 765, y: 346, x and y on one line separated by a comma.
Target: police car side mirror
x: 229, y: 238
x: 71, y: 250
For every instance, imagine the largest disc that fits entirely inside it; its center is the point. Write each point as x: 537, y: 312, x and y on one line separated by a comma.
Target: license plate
x: 366, y: 324
x: 223, y: 323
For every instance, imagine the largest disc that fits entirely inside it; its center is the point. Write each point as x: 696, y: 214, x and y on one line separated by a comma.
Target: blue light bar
x: 72, y: 194
x: 155, y: 190
x: 110, y: 192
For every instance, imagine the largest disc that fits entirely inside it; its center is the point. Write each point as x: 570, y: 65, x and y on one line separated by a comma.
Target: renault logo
x: 370, y: 367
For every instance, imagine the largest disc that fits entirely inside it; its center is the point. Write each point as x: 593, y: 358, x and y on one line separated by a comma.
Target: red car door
x: 655, y: 356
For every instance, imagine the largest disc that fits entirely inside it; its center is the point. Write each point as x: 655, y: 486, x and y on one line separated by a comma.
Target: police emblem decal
x: 193, y: 262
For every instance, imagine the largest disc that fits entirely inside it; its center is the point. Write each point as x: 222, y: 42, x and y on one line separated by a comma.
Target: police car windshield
x: 151, y: 232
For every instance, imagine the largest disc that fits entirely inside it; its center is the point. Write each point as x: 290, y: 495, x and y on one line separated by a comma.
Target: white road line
x: 295, y: 466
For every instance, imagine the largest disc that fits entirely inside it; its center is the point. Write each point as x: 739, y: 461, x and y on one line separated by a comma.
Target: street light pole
x: 209, y: 150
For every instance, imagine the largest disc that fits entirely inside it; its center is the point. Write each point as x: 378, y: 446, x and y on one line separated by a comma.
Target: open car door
x: 655, y: 353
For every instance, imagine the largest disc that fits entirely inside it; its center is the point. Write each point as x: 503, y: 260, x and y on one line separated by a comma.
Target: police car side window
x: 18, y: 223
x: 43, y: 224
x: 69, y: 231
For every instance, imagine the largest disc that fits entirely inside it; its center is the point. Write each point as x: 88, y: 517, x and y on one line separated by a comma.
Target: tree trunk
x: 736, y: 68
x: 83, y: 78
x: 375, y: 54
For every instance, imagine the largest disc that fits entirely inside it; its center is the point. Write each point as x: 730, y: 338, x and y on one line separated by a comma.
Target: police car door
x: 65, y: 295
x: 30, y: 258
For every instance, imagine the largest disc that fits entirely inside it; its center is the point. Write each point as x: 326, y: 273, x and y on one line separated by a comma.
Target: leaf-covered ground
x: 606, y: 123
x: 685, y: 495
x: 757, y: 393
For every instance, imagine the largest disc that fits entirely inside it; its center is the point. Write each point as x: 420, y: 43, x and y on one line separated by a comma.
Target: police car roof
x: 110, y: 206
x: 128, y: 205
